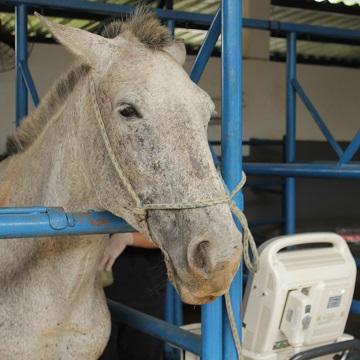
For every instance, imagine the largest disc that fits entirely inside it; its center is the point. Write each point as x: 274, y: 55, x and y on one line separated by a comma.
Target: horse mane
x: 31, y: 126
x: 144, y: 25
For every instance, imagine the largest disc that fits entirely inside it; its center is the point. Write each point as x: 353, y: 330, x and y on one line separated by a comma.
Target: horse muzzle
x: 207, y: 275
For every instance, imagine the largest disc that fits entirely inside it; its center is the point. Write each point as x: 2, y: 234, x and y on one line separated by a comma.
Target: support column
x: 231, y: 139
x: 290, y: 141
x: 21, y: 55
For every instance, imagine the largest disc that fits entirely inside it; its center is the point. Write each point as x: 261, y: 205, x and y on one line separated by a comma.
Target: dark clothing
x: 139, y: 282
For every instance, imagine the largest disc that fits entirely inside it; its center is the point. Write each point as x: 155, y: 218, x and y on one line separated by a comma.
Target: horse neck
x: 53, y: 168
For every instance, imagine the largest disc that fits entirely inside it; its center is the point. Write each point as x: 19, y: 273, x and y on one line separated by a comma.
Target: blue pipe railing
x: 212, y: 346
x: 101, y: 8
x: 98, y: 8
x: 42, y: 221
x: 309, y: 170
x: 290, y: 140
x: 155, y: 327
x: 21, y: 56
x: 231, y: 137
x: 173, y: 315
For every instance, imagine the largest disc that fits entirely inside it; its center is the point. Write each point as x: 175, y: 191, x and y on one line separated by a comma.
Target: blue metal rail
x: 41, y: 221
x: 100, y: 8
x: 308, y: 170
x: 155, y: 327
x: 231, y: 137
x: 214, y: 344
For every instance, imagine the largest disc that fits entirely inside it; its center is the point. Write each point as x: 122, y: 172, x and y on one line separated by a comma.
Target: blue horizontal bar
x: 314, y: 170
x: 111, y: 9
x: 22, y: 210
x: 254, y: 142
x: 355, y: 307
x: 301, y: 29
x: 31, y: 222
x: 155, y: 327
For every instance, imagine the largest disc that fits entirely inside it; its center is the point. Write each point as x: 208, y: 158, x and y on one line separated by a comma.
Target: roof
x: 331, y: 13
x: 37, y: 31
x: 344, y: 52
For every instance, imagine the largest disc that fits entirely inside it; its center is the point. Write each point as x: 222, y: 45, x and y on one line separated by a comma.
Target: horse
x: 156, y: 118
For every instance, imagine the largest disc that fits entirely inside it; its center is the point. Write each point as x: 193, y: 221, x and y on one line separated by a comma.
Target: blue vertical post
x: 171, y: 25
x: 211, y: 314
x: 211, y: 330
x: 173, y: 315
x: 21, y: 55
x: 290, y: 140
x: 232, y: 139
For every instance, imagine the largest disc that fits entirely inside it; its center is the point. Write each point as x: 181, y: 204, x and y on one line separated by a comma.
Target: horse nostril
x: 200, y: 260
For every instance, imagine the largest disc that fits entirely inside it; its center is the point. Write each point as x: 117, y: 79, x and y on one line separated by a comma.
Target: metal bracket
x: 57, y: 218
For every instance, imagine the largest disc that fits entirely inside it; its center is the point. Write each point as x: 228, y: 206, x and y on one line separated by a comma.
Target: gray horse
x: 52, y: 305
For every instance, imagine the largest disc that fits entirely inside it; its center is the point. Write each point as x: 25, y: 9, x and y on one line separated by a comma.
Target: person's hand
x: 115, y: 246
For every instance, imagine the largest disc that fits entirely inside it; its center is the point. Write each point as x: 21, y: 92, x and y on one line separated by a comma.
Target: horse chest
x: 51, y: 300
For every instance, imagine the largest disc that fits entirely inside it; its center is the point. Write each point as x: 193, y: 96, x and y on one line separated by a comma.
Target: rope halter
x: 141, y: 209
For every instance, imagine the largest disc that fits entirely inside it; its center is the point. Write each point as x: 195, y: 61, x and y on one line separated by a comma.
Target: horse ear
x: 82, y: 43
x: 178, y: 51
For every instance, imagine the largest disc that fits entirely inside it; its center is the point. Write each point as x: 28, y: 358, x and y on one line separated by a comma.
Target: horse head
x: 156, y: 120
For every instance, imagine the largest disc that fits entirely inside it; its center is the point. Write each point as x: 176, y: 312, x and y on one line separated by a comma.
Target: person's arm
x: 117, y: 244
x: 139, y: 240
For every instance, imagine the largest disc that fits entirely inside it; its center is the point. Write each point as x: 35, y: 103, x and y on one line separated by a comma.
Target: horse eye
x: 127, y: 110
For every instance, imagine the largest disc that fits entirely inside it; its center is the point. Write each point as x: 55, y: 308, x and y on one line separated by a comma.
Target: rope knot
x: 140, y: 213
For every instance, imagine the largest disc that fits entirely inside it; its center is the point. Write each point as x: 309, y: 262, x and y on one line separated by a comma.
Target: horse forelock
x: 145, y: 26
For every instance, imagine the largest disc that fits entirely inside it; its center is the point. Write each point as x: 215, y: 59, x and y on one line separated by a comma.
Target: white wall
x: 333, y: 90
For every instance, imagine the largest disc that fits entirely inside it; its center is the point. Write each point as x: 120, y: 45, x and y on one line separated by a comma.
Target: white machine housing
x: 303, y: 292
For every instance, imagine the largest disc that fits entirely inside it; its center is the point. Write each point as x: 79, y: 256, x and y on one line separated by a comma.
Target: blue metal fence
x: 216, y: 341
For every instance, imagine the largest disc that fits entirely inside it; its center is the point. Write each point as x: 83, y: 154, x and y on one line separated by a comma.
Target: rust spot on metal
x: 80, y: 221
x: 99, y: 222
x: 94, y: 223
x: 103, y: 221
